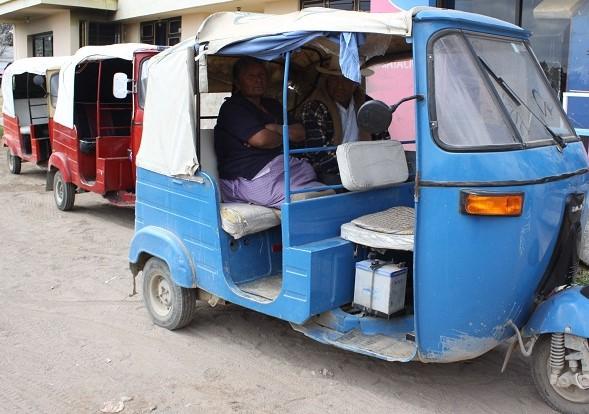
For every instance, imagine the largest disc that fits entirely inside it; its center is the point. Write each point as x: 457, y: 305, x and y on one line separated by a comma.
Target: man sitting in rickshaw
x: 248, y: 142
x: 329, y: 118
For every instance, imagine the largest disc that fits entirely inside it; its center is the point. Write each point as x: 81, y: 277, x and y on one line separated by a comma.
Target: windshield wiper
x: 501, y: 83
x: 560, y: 142
x: 558, y: 139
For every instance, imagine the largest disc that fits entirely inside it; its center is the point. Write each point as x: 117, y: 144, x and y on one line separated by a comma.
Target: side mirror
x: 374, y: 117
x: 39, y: 80
x: 119, y: 85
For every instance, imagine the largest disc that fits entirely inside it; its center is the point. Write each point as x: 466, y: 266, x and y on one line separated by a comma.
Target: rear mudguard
x: 565, y: 312
x: 160, y: 243
x: 9, y: 145
x: 57, y: 161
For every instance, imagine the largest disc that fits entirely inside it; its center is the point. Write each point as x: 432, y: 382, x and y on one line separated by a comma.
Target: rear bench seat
x: 241, y: 219
x: 35, y: 113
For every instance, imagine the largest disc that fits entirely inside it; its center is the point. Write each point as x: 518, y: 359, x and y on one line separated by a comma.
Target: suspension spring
x: 557, y: 352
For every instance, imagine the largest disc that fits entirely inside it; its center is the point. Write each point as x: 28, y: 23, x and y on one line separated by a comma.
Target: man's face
x: 341, y: 89
x: 252, y: 81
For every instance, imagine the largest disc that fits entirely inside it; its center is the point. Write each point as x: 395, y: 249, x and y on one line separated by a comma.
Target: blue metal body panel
x: 317, y: 269
x: 443, y: 18
x: 161, y: 243
x: 473, y: 274
x: 565, y: 312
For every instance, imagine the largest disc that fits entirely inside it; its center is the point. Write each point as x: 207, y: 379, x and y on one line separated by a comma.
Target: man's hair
x: 242, y: 64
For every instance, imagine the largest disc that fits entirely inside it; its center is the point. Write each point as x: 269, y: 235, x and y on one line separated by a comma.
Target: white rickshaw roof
x: 64, y: 112
x: 226, y: 28
x: 33, y: 65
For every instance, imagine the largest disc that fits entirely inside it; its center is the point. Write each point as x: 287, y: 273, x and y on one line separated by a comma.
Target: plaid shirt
x: 319, y: 133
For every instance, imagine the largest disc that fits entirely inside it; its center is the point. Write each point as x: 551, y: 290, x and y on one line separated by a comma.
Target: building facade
x: 60, y: 27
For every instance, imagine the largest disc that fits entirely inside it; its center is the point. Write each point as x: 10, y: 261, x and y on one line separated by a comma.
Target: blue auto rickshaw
x: 436, y: 252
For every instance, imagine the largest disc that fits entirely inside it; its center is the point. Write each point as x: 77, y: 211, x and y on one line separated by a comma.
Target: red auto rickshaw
x: 96, y: 134
x: 29, y: 90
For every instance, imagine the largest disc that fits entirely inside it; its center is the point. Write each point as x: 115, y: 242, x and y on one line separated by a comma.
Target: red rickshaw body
x: 97, y: 154
x: 33, y: 147
x: 27, y: 109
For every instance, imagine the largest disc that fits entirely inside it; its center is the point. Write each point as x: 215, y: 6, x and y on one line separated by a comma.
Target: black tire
x: 64, y: 193
x: 170, y: 306
x: 14, y: 163
x: 541, y: 375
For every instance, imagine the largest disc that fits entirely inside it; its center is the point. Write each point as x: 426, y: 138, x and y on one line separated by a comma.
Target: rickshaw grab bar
x: 319, y: 188
x: 285, y: 138
x: 313, y: 149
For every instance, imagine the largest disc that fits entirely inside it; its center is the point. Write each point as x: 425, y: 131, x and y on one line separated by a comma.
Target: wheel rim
x: 59, y: 191
x: 10, y: 160
x: 571, y: 393
x: 160, y: 296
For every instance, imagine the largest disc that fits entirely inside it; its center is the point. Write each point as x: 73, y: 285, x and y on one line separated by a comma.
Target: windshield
x: 142, y: 84
x: 490, y: 92
x: 54, y: 88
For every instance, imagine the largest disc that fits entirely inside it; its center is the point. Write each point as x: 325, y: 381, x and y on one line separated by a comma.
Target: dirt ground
x: 72, y: 340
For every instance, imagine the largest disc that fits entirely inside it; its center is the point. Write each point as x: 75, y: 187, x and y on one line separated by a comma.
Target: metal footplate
x: 379, y: 346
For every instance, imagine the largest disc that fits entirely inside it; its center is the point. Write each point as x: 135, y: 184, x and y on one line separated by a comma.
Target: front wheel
x: 170, y: 306
x: 563, y: 396
x: 14, y: 163
x: 64, y: 193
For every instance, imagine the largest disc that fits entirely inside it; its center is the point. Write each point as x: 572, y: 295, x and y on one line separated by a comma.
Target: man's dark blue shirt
x: 239, y: 119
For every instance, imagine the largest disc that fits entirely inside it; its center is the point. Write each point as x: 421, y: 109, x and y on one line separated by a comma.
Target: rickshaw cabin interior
x: 253, y: 234
x: 31, y: 109
x: 103, y: 122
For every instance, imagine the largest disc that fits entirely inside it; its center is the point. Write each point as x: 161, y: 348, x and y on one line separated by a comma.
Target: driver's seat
x: 366, y: 165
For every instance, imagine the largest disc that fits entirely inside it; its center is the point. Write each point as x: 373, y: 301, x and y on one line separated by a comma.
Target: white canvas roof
x: 33, y: 65
x: 169, y: 128
x: 64, y: 112
x: 225, y: 28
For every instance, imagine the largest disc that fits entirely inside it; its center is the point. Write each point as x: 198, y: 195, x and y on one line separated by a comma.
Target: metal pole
x: 285, y: 141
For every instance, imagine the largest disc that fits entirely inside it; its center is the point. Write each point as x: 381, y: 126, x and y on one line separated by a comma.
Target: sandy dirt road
x: 71, y: 339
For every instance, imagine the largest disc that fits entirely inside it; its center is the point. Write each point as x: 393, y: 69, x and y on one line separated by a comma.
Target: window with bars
x: 166, y: 32
x: 99, y: 33
x: 358, y: 5
x: 43, y: 44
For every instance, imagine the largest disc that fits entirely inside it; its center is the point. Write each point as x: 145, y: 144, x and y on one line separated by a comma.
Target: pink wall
x: 391, y: 82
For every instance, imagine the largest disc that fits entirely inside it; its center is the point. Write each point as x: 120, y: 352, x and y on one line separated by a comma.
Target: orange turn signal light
x: 490, y: 204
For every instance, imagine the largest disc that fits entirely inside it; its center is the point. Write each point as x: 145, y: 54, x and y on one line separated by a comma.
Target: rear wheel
x: 14, y: 163
x: 63, y: 193
x: 565, y: 399
x: 170, y: 306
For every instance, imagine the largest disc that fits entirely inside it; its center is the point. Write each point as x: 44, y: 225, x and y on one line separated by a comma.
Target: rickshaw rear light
x: 489, y: 204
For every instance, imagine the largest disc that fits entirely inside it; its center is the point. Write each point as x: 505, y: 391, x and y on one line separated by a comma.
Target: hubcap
x: 571, y: 393
x: 160, y: 296
x: 59, y: 191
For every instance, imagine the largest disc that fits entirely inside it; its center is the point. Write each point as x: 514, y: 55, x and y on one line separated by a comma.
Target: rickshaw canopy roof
x: 226, y: 28
x: 64, y: 112
x: 33, y: 65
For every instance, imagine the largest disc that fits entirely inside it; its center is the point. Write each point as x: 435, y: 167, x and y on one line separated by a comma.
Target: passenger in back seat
x: 329, y: 118
x: 248, y: 142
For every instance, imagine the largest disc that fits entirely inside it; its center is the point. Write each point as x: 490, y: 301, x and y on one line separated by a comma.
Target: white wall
x: 191, y: 23
x: 58, y: 23
x: 282, y: 7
